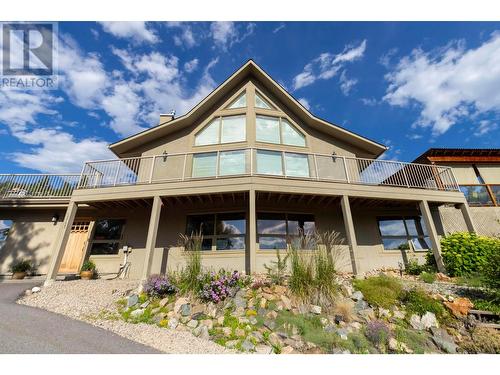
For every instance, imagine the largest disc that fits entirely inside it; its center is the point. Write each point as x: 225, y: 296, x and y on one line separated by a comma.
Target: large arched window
x: 225, y: 129
x: 278, y: 130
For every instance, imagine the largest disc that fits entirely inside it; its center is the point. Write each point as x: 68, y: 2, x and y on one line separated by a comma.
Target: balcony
x: 264, y: 163
x: 37, y: 186
x: 482, y: 195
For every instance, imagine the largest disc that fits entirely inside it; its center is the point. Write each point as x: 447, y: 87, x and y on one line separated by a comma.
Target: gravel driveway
x: 24, y: 329
x: 85, y: 300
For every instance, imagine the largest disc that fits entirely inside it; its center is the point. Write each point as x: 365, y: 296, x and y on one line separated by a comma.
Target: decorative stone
x: 324, y: 321
x: 274, y: 339
x: 262, y: 303
x: 36, y: 289
x: 136, y: 313
x: 397, y: 314
x: 415, y: 322
x: 226, y: 331
x: 253, y: 320
x: 368, y: 314
x: 247, y: 346
x: 357, y: 296
x: 239, y: 332
x: 184, y: 319
x: 197, y: 316
x: 192, y: 323
x: 460, y: 306
x: 208, y: 323
x: 270, y: 324
x: 243, y: 320
x: 342, y: 332
x: 204, y: 333
x: 231, y: 344
x: 287, y: 350
x: 443, y: 340
x: 257, y: 336
x: 132, y: 300
x: 287, y: 303
x: 346, y: 290
x: 429, y: 320
x: 263, y: 349
x: 355, y: 325
x: 239, y: 311
x: 316, y: 309
x: 220, y: 320
x: 384, y: 313
x: 198, y: 309
x: 330, y: 328
x: 185, y: 309
x: 212, y: 312
x: 173, y: 323
x: 180, y: 302
x: 164, y: 302
x: 197, y: 331
x: 145, y: 304
x: 361, y: 305
x: 272, y: 315
x: 239, y: 300
x: 397, y: 346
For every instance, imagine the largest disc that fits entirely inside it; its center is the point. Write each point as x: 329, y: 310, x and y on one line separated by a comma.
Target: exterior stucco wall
x: 486, y: 219
x: 30, y: 237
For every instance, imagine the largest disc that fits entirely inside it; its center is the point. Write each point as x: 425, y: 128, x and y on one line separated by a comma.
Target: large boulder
x: 460, y: 306
x: 132, y: 300
x: 443, y: 340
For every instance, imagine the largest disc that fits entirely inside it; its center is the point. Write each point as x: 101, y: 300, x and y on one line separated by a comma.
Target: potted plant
x: 20, y: 269
x: 88, y: 270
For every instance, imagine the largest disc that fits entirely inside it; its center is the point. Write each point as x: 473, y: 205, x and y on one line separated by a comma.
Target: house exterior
x: 478, y: 175
x: 250, y: 167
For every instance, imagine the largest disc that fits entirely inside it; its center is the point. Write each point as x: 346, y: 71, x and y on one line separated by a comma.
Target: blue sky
x: 408, y: 85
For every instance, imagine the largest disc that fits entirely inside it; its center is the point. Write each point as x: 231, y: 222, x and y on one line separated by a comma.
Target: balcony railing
x: 482, y: 195
x: 35, y: 186
x: 264, y: 162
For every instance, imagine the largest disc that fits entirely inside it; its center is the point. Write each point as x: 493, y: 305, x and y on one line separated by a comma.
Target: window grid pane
x: 291, y: 136
x: 233, y: 129
x: 268, y: 129
x: 232, y: 163
x: 204, y: 164
x: 297, y: 165
x: 397, y: 233
x: 209, y: 135
x: 240, y: 102
x: 269, y: 162
x: 260, y: 102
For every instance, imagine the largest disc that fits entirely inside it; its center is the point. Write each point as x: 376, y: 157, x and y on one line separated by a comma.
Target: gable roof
x: 250, y: 68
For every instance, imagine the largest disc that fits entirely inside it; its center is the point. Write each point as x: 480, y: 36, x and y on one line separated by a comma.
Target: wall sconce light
x: 55, y: 218
x: 165, y: 154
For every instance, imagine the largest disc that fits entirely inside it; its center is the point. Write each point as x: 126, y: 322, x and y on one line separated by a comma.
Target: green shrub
x: 188, y: 278
x: 88, y: 265
x: 418, y: 302
x: 382, y: 291
x: 414, y: 268
x: 276, y: 271
x: 302, y: 274
x: 467, y: 253
x: 491, y: 270
x: 23, y: 265
x: 428, y: 277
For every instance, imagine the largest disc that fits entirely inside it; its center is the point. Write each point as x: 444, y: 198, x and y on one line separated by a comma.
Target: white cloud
x: 346, y: 84
x: 56, y: 151
x: 305, y: 103
x: 137, y: 31
x: 448, y: 84
x: 186, y: 37
x: 227, y: 33
x: 369, y: 101
x: 191, y: 65
x: 392, y: 152
x: 485, y: 127
x: 327, y: 65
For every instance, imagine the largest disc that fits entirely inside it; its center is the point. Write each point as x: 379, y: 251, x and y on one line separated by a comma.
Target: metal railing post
x: 346, y: 170
x: 405, y: 176
x: 152, y: 169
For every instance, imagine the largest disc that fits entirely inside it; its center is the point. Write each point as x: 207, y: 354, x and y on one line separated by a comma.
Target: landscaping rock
x: 384, y: 313
x: 220, y: 320
x: 180, y: 302
x: 357, y: 296
x: 315, y: 309
x: 192, y: 323
x: 272, y: 315
x: 443, y: 340
x: 231, y: 344
x: 239, y: 299
x: 36, y: 289
x: 208, y: 323
x: 397, y: 346
x: 274, y: 339
x: 197, y: 331
x: 263, y: 349
x: 429, y: 320
x: 398, y: 314
x: 247, y: 346
x: 324, y: 321
x: 239, y: 311
x: 227, y: 331
x: 415, y: 322
x: 132, y: 300
x: 185, y: 309
x: 204, y: 333
x: 368, y: 314
x: 253, y: 320
x: 164, y: 302
x: 184, y: 319
x: 145, y: 304
x: 173, y: 323
x: 270, y: 324
x: 287, y: 350
x: 330, y: 328
x: 197, y: 316
x: 459, y: 307
x: 287, y: 303
x: 136, y: 313
x: 347, y: 290
x: 28, y: 292
x: 342, y: 332
x: 355, y: 325
x: 361, y: 305
x: 257, y: 336
x: 239, y: 332
x: 198, y: 309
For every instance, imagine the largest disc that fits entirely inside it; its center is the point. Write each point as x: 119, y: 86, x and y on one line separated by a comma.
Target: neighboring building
x: 477, y: 172
x: 248, y: 165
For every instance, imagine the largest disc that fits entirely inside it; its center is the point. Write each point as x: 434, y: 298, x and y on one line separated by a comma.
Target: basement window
x: 398, y: 233
x: 107, y: 237
x: 5, y: 227
x: 276, y: 231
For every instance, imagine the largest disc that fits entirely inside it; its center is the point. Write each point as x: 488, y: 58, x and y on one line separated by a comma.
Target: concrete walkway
x: 25, y: 329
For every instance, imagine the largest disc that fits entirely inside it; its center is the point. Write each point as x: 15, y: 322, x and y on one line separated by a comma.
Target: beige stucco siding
x: 490, y: 173
x: 486, y: 219
x: 30, y: 237
x: 464, y: 173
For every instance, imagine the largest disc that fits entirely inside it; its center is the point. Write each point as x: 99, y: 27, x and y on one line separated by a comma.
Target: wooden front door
x: 75, y: 248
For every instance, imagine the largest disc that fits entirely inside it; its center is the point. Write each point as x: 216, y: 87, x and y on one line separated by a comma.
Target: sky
x: 410, y: 86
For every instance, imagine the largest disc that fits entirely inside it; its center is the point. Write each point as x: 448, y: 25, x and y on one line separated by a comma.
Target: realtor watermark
x: 28, y: 55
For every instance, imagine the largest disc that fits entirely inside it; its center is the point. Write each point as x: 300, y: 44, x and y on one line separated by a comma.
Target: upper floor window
x: 260, y: 102
x: 278, y: 130
x: 240, y: 102
x: 226, y: 129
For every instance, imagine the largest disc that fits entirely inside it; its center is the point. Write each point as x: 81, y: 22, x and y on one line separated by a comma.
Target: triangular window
x: 209, y: 135
x: 260, y: 102
x: 240, y: 102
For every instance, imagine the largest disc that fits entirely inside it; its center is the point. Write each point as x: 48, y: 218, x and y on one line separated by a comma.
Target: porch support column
x: 431, y: 228
x: 252, y: 232
x: 350, y: 233
x: 60, y: 243
x: 464, y: 207
x: 154, y: 221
